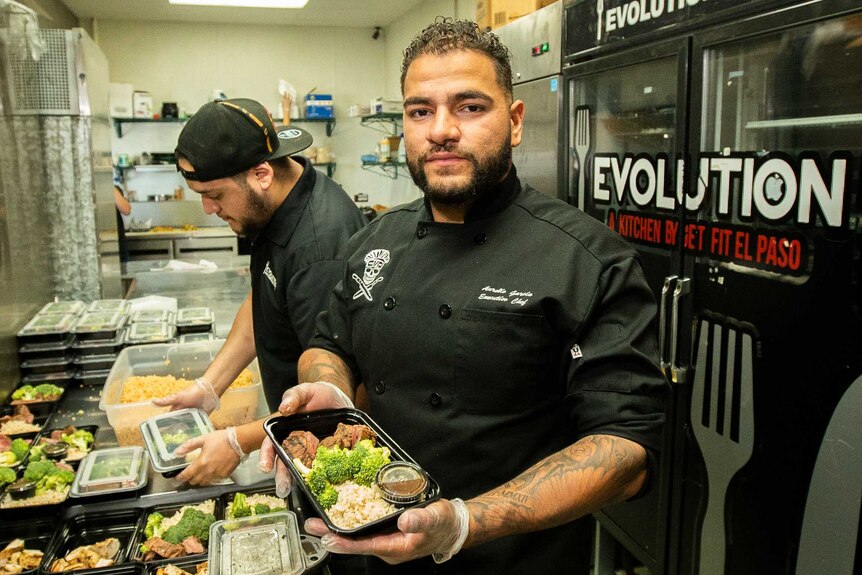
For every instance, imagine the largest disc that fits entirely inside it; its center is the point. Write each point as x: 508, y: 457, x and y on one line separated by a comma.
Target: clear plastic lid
x: 167, y: 431
x: 111, y: 471
x: 110, y: 305
x: 259, y: 545
x: 48, y: 324
x: 195, y: 316
x: 93, y: 321
x: 193, y: 337
x: 152, y: 315
x: 63, y: 307
x: 150, y: 332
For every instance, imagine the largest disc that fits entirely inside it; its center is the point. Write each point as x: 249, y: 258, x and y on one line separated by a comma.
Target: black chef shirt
x: 489, y: 345
x: 294, y: 265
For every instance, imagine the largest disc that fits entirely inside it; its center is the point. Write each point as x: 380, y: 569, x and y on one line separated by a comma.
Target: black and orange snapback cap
x: 226, y: 137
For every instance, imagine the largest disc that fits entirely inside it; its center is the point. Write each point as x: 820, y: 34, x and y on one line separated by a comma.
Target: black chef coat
x: 295, y: 262
x: 489, y: 345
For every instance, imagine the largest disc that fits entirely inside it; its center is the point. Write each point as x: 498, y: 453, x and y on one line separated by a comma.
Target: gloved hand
x: 200, y: 394
x: 439, y: 530
x: 268, y: 460
x: 313, y: 396
x: 219, y: 456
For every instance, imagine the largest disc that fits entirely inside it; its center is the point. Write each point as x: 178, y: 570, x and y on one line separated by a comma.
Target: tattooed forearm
x: 580, y: 479
x: 321, y: 365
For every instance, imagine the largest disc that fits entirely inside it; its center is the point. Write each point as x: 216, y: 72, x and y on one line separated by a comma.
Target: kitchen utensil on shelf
x: 170, y: 110
x: 582, y: 148
x: 724, y: 452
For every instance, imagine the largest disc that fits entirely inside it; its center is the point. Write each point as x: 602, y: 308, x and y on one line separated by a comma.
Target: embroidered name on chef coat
x: 374, y: 262
x: 267, y: 272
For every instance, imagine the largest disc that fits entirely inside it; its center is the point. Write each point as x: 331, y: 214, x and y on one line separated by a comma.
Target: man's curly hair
x: 447, y: 35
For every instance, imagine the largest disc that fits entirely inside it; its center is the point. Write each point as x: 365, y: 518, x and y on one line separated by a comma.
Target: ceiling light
x: 245, y: 3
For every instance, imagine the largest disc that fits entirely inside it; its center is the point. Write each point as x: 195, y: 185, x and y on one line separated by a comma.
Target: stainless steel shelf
x: 804, y: 122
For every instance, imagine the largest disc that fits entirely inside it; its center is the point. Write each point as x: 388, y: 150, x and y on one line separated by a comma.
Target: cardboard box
x: 120, y: 102
x: 506, y: 11
x: 142, y: 104
x: 484, y: 14
x: 319, y: 106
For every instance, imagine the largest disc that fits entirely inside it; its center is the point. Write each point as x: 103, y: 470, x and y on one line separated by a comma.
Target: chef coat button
x: 445, y: 311
x: 421, y: 232
x: 435, y: 400
x: 379, y: 388
x: 480, y: 239
x: 389, y: 304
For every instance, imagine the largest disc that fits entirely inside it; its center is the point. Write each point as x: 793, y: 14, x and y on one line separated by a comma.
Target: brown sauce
x: 406, y: 487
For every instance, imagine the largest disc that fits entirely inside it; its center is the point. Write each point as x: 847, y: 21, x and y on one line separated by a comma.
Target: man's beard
x: 255, y: 214
x: 486, y: 174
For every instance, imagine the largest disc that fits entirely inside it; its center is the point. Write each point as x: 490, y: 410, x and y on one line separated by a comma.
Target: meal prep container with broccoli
x: 109, y: 305
x: 171, y: 525
x: 165, y: 432
x: 41, y: 393
x: 90, y: 528
x: 51, y: 328
x: 62, y: 307
x: 150, y: 332
x: 189, y: 361
x: 79, y: 443
x: 153, y: 316
x: 195, y: 319
x: 323, y: 424
x: 258, y: 545
x: 111, y: 471
x: 40, y: 485
x: 99, y: 325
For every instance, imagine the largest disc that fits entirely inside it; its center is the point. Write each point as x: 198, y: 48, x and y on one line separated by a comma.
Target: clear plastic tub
x: 165, y: 432
x: 114, y: 470
x: 259, y: 545
x: 188, y: 361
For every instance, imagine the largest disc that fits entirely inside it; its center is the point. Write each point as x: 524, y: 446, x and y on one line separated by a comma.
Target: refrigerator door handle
x: 682, y: 289
x: 666, y: 288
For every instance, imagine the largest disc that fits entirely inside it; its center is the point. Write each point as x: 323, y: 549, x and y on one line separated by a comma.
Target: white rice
x: 358, y: 505
x: 273, y: 502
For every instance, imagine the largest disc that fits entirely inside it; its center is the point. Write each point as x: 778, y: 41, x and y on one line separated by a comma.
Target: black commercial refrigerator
x: 723, y: 138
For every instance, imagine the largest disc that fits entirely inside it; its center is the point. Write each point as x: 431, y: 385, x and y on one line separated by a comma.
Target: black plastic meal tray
x: 323, y: 424
x: 36, y: 535
x: 169, y: 511
x: 89, y: 528
x: 46, y: 434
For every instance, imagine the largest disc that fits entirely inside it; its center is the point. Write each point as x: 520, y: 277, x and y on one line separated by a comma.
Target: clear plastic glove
x: 216, y: 461
x: 439, y: 530
x: 200, y: 394
x: 269, y: 459
x: 313, y: 396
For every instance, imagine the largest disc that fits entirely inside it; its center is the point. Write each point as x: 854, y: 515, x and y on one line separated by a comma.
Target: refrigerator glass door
x: 537, y: 158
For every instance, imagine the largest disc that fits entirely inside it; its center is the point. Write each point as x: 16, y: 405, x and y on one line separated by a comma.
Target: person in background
x: 246, y: 172
x: 507, y: 340
x: 124, y: 208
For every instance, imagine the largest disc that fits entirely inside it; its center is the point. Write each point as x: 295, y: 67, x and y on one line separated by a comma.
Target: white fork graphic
x: 582, y: 148
x: 600, y: 8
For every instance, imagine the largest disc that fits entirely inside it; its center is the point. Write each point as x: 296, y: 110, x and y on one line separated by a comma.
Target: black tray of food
x: 23, y: 544
x: 14, y: 451
x: 24, y: 420
x: 108, y: 536
x: 173, y: 542
x: 31, y: 351
x: 77, y: 442
x: 28, y: 394
x: 40, y: 488
x: 332, y: 423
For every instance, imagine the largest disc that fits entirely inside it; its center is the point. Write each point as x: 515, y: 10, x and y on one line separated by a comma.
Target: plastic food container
x: 95, y: 362
x: 74, y: 455
x: 322, y: 424
x: 170, y: 511
x: 109, y: 305
x: 188, y: 361
x: 194, y: 319
x: 89, y: 528
x: 36, y: 351
x: 153, y: 315
x: 167, y: 431
x: 196, y: 337
x: 92, y: 378
x: 75, y: 307
x: 47, y: 328
x: 109, y: 471
x: 36, y: 534
x: 100, y: 346
x: 46, y: 365
x: 259, y: 545
x: 150, y: 332
x: 99, y: 325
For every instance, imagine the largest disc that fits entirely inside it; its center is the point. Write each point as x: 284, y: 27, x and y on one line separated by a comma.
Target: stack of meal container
x: 45, y: 344
x: 195, y: 324
x: 99, y: 337
x: 151, y: 326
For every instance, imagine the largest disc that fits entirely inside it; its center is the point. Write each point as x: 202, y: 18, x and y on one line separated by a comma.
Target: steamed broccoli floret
x: 194, y: 523
x: 316, y: 480
x: 239, y: 506
x: 334, y: 463
x: 376, y: 458
x: 36, y: 470
x: 357, y: 454
x: 7, y: 458
x: 24, y: 392
x: 20, y: 448
x: 153, y: 521
x: 36, y: 452
x: 328, y: 498
x: 261, y: 508
x: 47, y: 390
x: 80, y: 439
x: 55, y: 481
x: 6, y: 475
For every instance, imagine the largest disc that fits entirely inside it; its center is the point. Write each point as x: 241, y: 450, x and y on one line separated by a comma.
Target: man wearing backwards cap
x: 243, y: 167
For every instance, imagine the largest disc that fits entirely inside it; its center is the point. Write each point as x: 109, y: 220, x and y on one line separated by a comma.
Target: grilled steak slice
x: 301, y: 445
x: 193, y: 545
x: 164, y: 549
